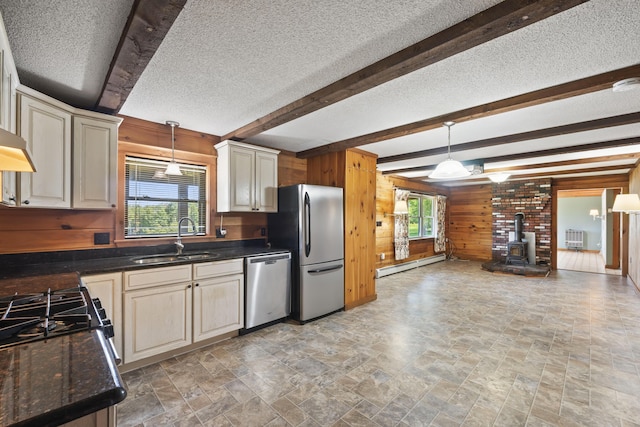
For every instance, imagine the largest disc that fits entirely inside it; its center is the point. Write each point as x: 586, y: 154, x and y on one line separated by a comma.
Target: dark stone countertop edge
x: 123, y: 263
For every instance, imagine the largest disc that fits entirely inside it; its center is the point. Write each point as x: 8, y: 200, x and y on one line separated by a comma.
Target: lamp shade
x: 173, y: 169
x: 626, y: 203
x: 594, y: 212
x: 14, y: 153
x: 401, y: 207
x: 499, y: 177
x: 449, y: 169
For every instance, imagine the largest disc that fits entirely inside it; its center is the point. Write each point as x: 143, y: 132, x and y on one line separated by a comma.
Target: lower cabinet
x: 156, y: 320
x: 218, y: 298
x: 108, y: 288
x: 203, y: 301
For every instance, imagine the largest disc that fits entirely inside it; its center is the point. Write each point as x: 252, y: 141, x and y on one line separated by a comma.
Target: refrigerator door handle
x: 307, y: 224
x: 324, y: 270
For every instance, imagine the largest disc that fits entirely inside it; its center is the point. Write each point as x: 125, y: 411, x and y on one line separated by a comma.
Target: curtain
x: 439, y: 243
x: 401, y: 228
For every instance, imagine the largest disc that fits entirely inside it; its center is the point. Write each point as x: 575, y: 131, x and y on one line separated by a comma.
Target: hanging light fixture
x: 499, y: 177
x: 450, y: 168
x: 173, y: 168
x: 14, y: 153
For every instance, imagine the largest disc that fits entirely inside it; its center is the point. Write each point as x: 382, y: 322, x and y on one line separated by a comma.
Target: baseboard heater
x: 397, y: 268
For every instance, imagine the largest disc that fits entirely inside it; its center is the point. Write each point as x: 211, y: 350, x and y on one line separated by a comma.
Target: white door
x: 266, y: 182
x: 241, y: 179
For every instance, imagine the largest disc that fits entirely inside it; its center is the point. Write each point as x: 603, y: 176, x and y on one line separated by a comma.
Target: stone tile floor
x: 444, y: 345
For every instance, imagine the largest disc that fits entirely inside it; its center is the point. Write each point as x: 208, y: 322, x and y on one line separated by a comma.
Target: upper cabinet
x: 74, y: 151
x: 47, y: 130
x: 95, y: 163
x: 247, y: 178
x: 8, y: 83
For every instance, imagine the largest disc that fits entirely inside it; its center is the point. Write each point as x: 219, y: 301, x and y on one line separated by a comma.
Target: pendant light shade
x: 499, y: 177
x: 449, y: 169
x: 173, y: 168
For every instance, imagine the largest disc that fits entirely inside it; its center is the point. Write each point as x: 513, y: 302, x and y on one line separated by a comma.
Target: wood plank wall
x: 470, y: 222
x: 24, y: 230
x: 385, y: 185
x: 355, y: 172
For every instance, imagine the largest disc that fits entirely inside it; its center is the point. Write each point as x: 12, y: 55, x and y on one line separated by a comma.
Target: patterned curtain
x: 401, y: 228
x: 439, y: 243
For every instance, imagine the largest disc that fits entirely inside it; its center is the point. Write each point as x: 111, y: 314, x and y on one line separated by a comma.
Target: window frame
x: 151, y: 152
x: 178, y: 185
x: 421, y: 216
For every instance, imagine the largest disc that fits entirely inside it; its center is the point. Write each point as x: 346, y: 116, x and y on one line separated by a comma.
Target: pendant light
x: 450, y: 168
x: 173, y: 168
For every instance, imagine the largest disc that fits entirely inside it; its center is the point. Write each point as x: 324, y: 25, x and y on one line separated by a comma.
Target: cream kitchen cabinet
x: 247, y: 178
x: 108, y: 288
x: 218, y: 298
x: 47, y: 130
x: 95, y: 163
x: 157, y: 311
x: 74, y: 151
x: 167, y: 308
x: 8, y: 84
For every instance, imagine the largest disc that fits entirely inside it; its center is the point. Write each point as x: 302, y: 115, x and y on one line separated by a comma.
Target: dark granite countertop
x: 50, y: 382
x: 113, y: 260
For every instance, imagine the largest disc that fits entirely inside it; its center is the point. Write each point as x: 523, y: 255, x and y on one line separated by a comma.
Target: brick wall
x: 533, y: 198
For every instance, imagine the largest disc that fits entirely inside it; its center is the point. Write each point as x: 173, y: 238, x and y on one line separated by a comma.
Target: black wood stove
x: 517, y: 248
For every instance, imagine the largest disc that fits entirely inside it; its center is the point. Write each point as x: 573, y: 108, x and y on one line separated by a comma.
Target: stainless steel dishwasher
x: 267, y: 289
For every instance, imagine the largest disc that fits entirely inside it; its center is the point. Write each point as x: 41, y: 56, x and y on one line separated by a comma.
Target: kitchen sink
x: 159, y: 259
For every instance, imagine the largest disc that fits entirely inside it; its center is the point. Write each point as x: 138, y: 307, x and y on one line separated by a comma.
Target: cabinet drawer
x: 156, y: 276
x: 217, y: 268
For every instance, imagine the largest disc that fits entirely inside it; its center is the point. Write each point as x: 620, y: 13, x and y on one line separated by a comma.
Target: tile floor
x: 444, y: 345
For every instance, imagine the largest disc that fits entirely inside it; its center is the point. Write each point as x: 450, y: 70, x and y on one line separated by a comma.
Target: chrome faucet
x: 179, y: 245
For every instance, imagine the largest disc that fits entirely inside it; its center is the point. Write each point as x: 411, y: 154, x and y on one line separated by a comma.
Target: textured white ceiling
x: 227, y: 63
x: 64, y: 48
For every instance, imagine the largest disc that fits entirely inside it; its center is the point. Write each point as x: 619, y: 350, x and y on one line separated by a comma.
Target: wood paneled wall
x: 385, y: 185
x: 355, y: 172
x: 25, y: 230
x: 470, y: 222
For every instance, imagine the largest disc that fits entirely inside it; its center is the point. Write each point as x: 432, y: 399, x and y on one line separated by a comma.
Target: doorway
x: 588, y: 233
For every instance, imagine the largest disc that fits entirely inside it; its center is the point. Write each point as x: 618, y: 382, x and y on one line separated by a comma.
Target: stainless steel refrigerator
x: 310, y: 224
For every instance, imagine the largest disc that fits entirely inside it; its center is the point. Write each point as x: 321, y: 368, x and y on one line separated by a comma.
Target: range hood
x: 14, y: 154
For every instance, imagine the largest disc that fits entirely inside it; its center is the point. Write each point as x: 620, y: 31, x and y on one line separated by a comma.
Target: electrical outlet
x: 263, y: 231
x: 220, y: 233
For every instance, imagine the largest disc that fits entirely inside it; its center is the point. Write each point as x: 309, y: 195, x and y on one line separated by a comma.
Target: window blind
x: 155, y: 202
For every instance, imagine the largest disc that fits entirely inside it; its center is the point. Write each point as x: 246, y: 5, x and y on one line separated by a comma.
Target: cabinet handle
x: 197, y: 284
x: 188, y: 286
x: 25, y: 202
x: 12, y: 198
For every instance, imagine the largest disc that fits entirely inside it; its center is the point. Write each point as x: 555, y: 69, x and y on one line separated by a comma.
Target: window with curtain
x: 155, y: 202
x: 422, y: 216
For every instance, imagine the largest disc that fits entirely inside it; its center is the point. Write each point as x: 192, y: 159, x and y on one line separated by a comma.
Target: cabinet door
x: 156, y: 320
x: 95, y: 158
x: 266, y: 182
x: 108, y: 288
x: 47, y: 131
x: 241, y: 179
x: 7, y: 122
x: 218, y: 306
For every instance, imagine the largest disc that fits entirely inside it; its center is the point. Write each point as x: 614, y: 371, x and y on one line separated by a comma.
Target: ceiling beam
x: 530, y: 99
x: 147, y: 25
x: 501, y: 19
x: 532, y: 154
x: 631, y: 157
x: 624, y: 119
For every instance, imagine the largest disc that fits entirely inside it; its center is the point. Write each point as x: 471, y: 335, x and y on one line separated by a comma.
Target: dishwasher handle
x: 326, y: 269
x: 269, y: 259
